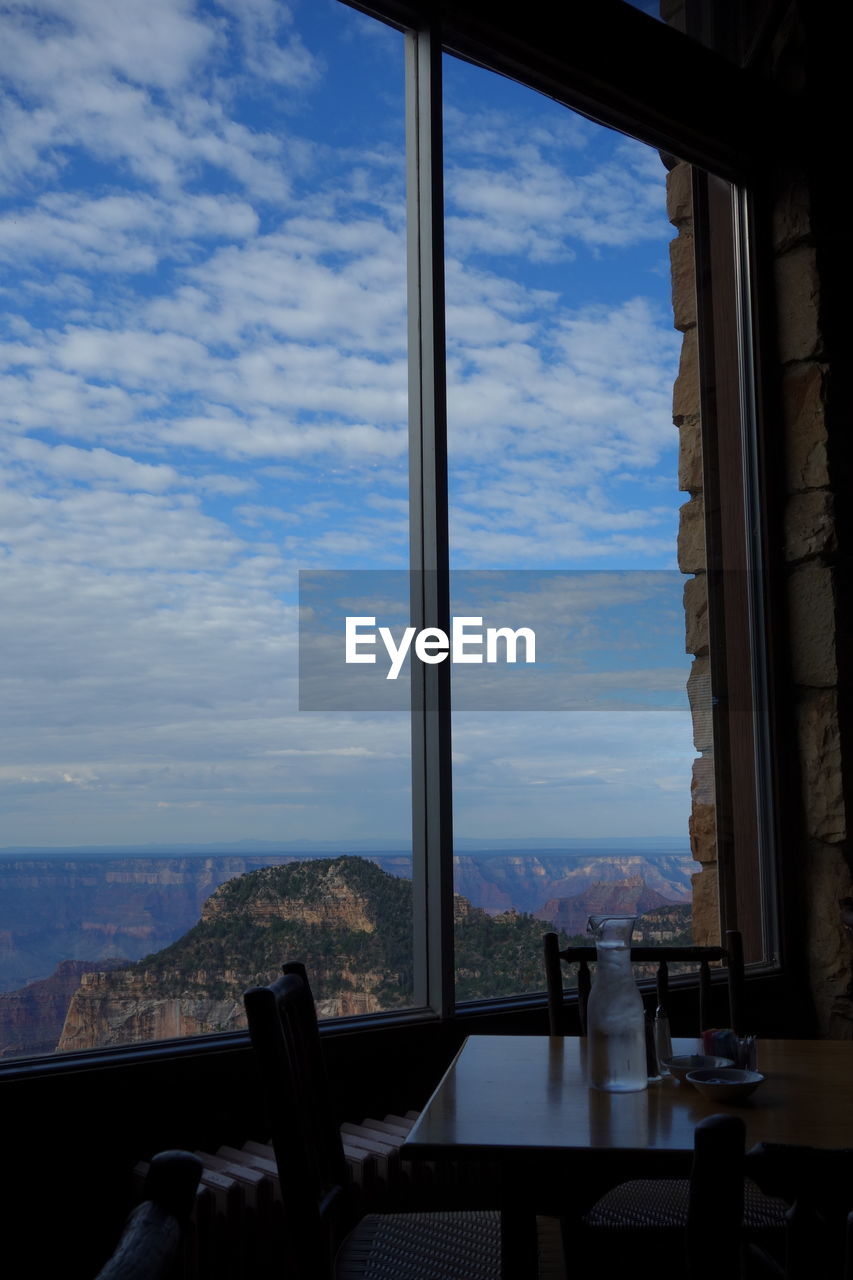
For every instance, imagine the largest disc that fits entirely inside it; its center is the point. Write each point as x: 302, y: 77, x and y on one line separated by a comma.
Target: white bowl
x: 683, y: 1063
x: 725, y: 1084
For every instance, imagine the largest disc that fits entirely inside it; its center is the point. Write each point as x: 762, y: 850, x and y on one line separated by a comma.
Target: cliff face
x: 98, y: 913
x: 347, y: 920
x: 629, y: 897
x: 330, y: 899
x: 99, y: 909
x: 671, y: 924
x: 527, y: 881
x: 31, y: 1019
x: 122, y: 908
x: 128, y: 1007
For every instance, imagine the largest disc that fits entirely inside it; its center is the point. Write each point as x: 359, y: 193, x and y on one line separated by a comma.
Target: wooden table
x: 524, y: 1102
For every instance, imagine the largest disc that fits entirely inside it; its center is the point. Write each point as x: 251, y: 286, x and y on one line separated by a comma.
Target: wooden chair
x: 817, y: 1185
x: 305, y: 1136
x: 694, y: 1227
x: 731, y: 955
x: 153, y: 1234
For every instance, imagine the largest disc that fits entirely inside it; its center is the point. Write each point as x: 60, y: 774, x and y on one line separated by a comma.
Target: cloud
x: 122, y: 232
x: 581, y: 765
x: 509, y: 191
x: 299, y: 283
x: 93, y: 465
x: 203, y: 387
x: 134, y: 84
x: 272, y: 51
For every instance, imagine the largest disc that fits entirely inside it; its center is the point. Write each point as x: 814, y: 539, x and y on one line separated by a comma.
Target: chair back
x: 731, y: 954
x: 716, y: 1198
x: 306, y: 1140
x: 152, y: 1236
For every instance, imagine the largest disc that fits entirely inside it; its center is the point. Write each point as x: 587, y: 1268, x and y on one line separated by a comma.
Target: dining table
x: 524, y: 1106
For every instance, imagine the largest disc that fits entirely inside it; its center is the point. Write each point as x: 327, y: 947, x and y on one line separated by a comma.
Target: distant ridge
x: 649, y: 845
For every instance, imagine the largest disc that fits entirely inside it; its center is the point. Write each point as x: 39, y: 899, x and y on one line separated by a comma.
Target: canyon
x: 84, y: 924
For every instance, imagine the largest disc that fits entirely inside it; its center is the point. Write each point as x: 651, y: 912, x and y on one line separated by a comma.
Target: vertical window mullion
x: 432, y: 822
x: 756, y: 561
x: 737, y: 641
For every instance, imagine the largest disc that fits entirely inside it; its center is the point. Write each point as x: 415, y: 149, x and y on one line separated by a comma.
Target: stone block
x: 791, y: 216
x: 701, y: 711
x: 683, y: 276
x: 690, y: 474
x: 691, y: 536
x: 839, y: 1025
x: 685, y: 392
x: 679, y: 194
x: 696, y: 615
x: 702, y: 787
x: 797, y: 305
x: 702, y: 827
x: 706, y: 907
x: 830, y: 956
x: 819, y: 741
x: 811, y: 611
x: 803, y: 407
x: 810, y: 528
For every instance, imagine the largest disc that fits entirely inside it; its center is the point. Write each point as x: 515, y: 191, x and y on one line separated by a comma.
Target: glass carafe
x: 615, y: 1019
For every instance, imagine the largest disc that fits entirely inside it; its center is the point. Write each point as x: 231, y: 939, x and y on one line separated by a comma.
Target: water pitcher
x: 615, y: 1019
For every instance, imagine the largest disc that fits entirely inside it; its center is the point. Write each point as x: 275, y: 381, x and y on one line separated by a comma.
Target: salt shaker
x: 663, y: 1039
x: 652, y: 1064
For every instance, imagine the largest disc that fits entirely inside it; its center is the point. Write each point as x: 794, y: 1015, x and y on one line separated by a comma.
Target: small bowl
x: 728, y: 1085
x: 682, y: 1064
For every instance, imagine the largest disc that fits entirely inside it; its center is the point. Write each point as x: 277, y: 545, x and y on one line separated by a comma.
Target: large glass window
x: 244, y: 246
x: 204, y: 384
x: 563, y: 473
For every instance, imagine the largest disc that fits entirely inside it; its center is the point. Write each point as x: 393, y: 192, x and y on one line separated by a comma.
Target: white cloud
x: 203, y: 386
x: 157, y: 43
x: 122, y: 233
x: 122, y: 82
x: 95, y: 465
x: 272, y: 51
x: 302, y: 286
x: 509, y: 194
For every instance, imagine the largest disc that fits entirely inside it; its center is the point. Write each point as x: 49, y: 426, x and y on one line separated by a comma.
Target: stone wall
x: 809, y: 543
x: 691, y: 556
x: 814, y: 563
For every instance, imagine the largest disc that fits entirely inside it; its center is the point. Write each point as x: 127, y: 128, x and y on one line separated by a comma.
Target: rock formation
x: 32, y: 1018
x: 345, y: 918
x: 629, y: 897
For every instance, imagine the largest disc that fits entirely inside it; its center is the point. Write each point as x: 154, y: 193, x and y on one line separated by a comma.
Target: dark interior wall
x: 803, y: 316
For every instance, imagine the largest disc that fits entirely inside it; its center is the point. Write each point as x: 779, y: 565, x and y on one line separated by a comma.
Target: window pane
x: 563, y: 457
x: 204, y: 383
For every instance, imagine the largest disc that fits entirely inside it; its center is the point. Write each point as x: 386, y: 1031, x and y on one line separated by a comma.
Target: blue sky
x: 203, y: 387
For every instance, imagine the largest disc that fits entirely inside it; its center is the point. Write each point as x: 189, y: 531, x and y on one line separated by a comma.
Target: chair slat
x: 731, y: 955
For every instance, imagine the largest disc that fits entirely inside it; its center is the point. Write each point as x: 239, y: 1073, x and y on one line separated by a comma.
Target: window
x: 209, y: 391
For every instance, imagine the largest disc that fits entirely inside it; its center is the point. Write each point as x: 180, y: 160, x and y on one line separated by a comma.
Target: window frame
x: 738, y: 606
x: 613, y: 64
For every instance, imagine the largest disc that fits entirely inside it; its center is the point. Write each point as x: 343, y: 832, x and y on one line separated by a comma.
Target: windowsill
x: 220, y: 1043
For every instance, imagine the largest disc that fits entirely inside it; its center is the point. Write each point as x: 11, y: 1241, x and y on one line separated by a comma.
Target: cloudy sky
x: 203, y: 390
